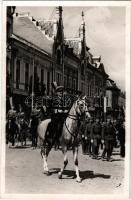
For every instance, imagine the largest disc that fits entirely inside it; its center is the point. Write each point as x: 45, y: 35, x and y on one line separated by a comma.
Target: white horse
x: 69, y: 137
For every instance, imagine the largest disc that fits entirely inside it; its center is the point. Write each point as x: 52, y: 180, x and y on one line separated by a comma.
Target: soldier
x: 35, y: 115
x: 121, y: 138
x: 88, y: 136
x: 82, y: 133
x: 58, y: 115
x: 96, y: 137
x: 108, y: 137
x: 23, y: 128
x: 11, y: 126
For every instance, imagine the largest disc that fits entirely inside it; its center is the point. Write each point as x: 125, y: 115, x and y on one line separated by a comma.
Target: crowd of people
x: 103, y: 136
x: 95, y: 135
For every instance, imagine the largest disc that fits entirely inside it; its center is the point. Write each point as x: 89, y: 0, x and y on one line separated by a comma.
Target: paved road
x: 24, y: 174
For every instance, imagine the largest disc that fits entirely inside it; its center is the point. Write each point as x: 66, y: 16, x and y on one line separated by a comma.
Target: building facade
x: 40, y: 55
x: 112, y: 96
x: 9, y: 30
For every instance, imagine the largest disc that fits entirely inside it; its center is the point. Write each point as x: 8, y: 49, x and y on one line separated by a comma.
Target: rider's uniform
x: 58, y: 113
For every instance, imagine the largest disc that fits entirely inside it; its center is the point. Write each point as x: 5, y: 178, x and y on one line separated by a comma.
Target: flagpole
x: 63, y: 67
x: 32, y: 86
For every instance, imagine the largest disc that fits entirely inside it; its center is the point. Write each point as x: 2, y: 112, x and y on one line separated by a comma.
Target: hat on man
x: 22, y: 114
x: 59, y: 89
x: 12, y: 114
x: 108, y: 117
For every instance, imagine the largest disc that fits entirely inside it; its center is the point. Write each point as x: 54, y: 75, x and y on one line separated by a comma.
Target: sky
x: 105, y: 33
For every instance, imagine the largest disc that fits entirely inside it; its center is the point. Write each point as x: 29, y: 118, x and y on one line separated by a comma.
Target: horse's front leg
x: 75, y: 155
x: 64, y: 150
x: 44, y: 153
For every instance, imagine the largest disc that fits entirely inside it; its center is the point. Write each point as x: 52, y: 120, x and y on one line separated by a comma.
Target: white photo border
x: 125, y: 4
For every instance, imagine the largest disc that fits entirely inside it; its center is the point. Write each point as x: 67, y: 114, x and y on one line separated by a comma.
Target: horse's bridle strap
x: 69, y: 130
x: 70, y: 116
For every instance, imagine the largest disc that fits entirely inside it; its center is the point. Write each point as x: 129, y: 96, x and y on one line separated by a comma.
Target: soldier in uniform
x: 96, y: 137
x: 23, y: 128
x: 108, y: 137
x: 58, y: 115
x: 35, y: 116
x: 11, y: 126
x: 88, y: 136
x: 82, y: 133
x: 121, y: 138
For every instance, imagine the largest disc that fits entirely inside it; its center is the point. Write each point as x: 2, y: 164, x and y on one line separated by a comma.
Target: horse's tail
x: 41, y: 130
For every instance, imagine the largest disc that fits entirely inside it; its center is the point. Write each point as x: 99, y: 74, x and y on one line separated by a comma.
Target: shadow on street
x: 70, y: 174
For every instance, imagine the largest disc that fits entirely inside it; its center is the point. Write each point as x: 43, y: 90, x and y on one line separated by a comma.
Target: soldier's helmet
x: 22, y: 115
x: 108, y: 118
x: 36, y: 113
x: 12, y: 114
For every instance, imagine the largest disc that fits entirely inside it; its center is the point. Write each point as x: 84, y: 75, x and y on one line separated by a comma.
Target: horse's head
x: 80, y: 105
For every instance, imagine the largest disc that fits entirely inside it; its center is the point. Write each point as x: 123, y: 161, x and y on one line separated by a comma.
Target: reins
x: 69, y: 130
x: 70, y: 116
x: 74, y: 118
x: 77, y: 118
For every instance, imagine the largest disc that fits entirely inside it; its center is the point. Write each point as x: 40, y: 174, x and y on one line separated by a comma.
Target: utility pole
x: 83, y: 50
x: 32, y: 99
x: 60, y: 39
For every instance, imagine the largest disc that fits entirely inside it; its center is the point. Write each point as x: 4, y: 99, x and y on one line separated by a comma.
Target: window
x: 35, y: 72
x: 26, y: 76
x: 74, y: 84
x: 17, y: 74
x: 82, y: 87
x: 82, y: 69
x: 96, y: 91
x: 48, y: 83
x: 58, y: 57
x: 90, y: 91
x: 42, y: 76
x: 87, y: 90
x: 65, y: 81
x: 58, y: 78
x: 70, y: 82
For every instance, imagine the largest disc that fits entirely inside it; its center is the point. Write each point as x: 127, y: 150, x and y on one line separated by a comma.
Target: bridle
x: 76, y: 118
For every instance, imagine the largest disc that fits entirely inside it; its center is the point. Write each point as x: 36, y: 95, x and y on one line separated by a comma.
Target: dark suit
x: 88, y: 137
x: 121, y: 138
x: 12, y: 131
x: 82, y: 132
x: 96, y: 136
x: 108, y: 135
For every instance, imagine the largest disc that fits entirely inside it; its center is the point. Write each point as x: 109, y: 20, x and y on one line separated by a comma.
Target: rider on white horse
x: 58, y: 113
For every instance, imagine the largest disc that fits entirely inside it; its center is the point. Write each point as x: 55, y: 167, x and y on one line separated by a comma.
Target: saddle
x: 54, y: 129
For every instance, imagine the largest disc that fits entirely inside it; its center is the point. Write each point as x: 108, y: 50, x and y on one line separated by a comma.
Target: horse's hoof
x: 59, y: 175
x: 48, y: 173
x: 78, y: 180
